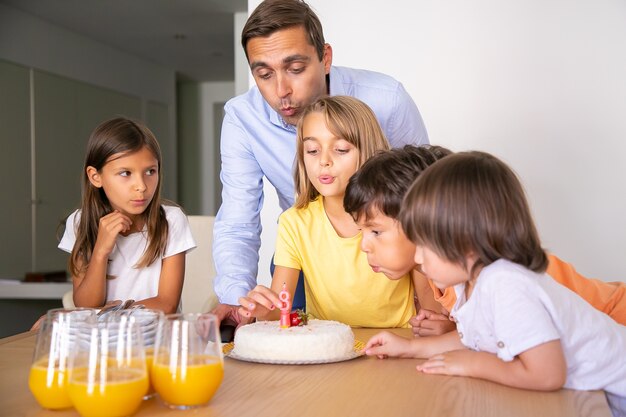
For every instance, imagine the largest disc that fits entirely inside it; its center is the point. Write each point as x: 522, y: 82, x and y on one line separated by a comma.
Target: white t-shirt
x: 513, y: 309
x: 124, y: 281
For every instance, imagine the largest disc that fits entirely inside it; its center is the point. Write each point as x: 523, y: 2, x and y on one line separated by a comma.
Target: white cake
x: 319, y: 340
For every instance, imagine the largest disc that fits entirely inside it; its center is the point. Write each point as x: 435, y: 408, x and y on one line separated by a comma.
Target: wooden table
x: 360, y: 387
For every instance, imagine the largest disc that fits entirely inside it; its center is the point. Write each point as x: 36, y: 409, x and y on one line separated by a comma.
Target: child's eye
x: 343, y: 151
x: 311, y: 152
x: 151, y: 171
x: 376, y: 232
x: 125, y: 173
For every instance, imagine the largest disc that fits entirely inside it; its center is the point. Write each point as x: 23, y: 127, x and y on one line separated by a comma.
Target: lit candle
x: 285, y: 308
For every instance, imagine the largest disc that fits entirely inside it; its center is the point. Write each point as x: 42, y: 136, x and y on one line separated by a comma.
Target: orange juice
x: 119, y: 396
x: 49, y: 386
x: 149, y: 359
x: 194, y: 387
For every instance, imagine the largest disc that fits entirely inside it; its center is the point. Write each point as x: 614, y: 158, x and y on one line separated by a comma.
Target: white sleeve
x: 179, y: 237
x: 69, y: 236
x: 521, y: 320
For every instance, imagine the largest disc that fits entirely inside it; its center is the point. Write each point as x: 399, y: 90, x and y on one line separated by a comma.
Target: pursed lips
x: 326, y: 179
x: 288, y: 111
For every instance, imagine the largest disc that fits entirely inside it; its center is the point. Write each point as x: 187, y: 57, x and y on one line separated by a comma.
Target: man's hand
x: 228, y: 314
x: 429, y: 323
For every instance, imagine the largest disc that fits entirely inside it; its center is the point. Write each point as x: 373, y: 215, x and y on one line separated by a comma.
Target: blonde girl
x: 335, y: 136
x: 468, y: 216
x: 125, y: 243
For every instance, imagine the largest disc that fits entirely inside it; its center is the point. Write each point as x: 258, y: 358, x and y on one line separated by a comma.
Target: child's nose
x: 419, y: 255
x: 365, y: 247
x: 140, y: 186
x: 325, y: 159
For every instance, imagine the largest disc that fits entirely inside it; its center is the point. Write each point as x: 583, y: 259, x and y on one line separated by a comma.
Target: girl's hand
x: 109, y: 228
x: 429, y: 323
x: 386, y: 344
x: 259, y: 302
x: 456, y: 362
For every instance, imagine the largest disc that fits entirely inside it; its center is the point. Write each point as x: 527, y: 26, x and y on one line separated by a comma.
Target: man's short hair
x: 273, y: 15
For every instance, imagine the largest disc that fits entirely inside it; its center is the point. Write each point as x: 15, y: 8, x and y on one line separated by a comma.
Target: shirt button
x: 461, y: 335
x: 500, y: 344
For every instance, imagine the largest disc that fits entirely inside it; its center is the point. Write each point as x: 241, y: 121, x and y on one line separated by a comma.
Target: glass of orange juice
x: 108, y: 376
x: 188, y: 363
x: 148, y: 320
x: 50, y: 367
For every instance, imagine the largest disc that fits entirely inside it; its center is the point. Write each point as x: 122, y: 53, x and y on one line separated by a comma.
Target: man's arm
x: 237, y: 229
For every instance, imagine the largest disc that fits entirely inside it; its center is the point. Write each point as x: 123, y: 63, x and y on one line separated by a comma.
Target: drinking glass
x: 108, y: 376
x: 188, y: 363
x: 50, y: 366
x: 148, y: 321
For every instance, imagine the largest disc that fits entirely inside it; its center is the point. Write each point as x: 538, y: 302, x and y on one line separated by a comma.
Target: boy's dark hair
x: 273, y: 15
x: 473, y: 203
x: 383, y: 180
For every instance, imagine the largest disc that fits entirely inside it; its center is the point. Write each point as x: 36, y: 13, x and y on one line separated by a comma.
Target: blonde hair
x: 347, y: 118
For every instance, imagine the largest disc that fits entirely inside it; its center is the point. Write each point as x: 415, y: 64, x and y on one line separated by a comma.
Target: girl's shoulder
x: 312, y: 211
x: 73, y: 218
x: 174, y: 214
x: 173, y: 210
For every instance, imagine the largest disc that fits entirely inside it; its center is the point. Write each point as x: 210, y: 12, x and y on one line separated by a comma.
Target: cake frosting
x: 319, y: 340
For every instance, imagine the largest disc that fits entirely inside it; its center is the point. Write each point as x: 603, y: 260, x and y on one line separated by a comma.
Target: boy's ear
x: 94, y: 177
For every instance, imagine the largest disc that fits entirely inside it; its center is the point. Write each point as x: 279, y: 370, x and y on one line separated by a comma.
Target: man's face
x: 388, y: 249
x: 288, y: 72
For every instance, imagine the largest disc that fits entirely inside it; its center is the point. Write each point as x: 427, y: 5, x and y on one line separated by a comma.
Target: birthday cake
x: 319, y: 340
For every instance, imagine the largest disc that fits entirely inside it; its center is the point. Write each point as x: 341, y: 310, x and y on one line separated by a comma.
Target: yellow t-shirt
x: 339, y: 283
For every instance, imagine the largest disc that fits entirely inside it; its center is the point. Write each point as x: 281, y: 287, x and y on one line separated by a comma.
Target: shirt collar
x: 336, y: 83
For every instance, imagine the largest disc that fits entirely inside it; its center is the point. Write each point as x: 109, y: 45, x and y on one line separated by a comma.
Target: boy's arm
x: 541, y: 368
x: 423, y: 293
x: 386, y: 344
x: 428, y: 322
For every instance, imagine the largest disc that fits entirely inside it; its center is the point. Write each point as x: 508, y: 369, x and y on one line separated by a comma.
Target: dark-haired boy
x: 374, y: 196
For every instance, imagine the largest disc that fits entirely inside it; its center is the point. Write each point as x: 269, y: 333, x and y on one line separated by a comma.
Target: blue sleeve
x: 237, y: 229
x: 406, y: 126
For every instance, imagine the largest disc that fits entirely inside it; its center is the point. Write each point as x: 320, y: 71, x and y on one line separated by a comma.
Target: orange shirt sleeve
x: 447, y: 298
x: 608, y: 297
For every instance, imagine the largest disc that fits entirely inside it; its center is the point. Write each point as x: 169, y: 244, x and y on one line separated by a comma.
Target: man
x: 291, y: 65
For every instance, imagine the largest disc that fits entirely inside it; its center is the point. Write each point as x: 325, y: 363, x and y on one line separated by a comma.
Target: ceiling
x: 193, y: 37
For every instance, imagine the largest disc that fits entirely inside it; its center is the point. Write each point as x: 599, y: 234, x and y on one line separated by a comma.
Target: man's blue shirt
x: 257, y: 143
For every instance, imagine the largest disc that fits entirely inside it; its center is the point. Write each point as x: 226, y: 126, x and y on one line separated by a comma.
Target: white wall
x: 538, y: 83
